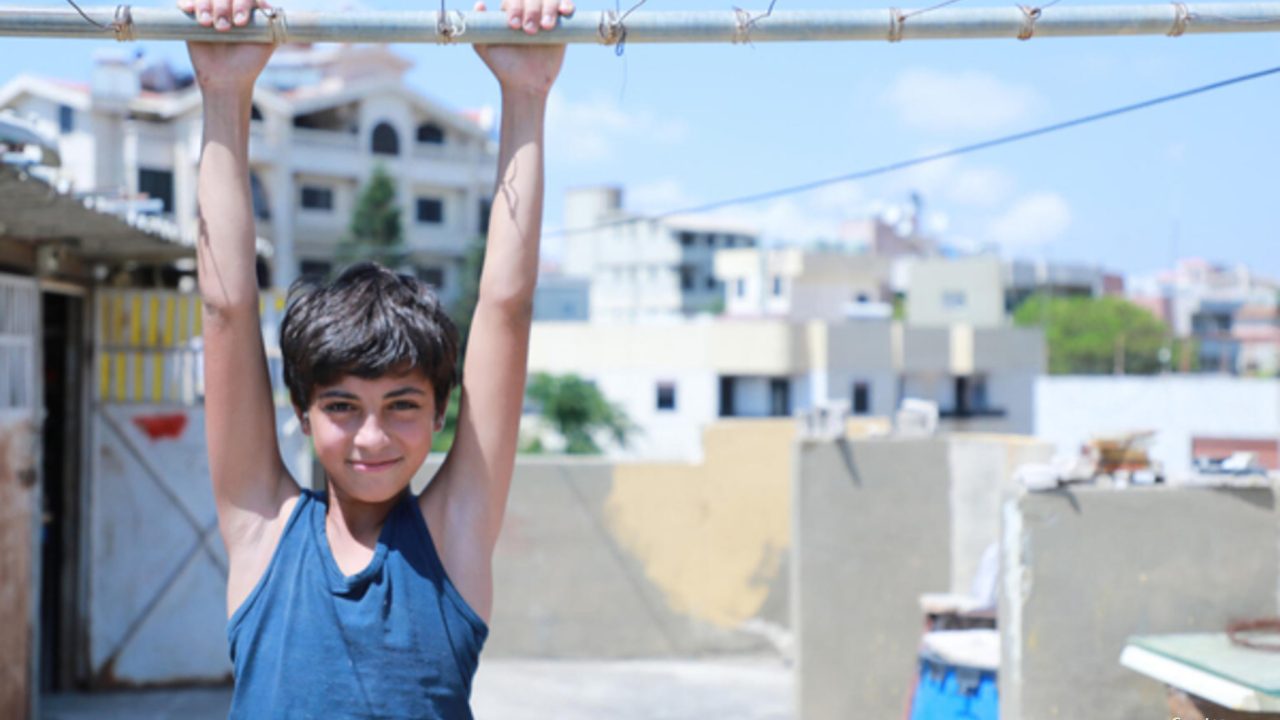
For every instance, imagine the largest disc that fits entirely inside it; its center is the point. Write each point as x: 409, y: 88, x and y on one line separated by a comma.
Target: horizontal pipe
x: 890, y: 24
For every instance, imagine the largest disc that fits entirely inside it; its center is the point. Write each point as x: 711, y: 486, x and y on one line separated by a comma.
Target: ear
x: 302, y: 420
x: 439, y: 422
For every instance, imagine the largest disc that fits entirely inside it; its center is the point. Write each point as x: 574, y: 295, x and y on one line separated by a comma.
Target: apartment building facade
x: 323, y: 119
x: 645, y: 269
x: 674, y: 377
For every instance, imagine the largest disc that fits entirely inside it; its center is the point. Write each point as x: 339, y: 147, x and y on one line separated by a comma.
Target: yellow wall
x: 712, y: 536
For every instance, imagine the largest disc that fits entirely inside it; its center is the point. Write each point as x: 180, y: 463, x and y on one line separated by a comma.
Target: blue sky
x: 680, y: 125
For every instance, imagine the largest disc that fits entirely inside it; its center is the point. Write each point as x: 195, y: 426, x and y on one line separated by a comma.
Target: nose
x: 370, y: 435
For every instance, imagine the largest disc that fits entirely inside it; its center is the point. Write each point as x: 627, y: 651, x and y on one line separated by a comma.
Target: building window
x: 730, y: 241
x: 430, y: 210
x: 431, y: 133
x: 954, y: 299
x: 711, y: 282
x: 666, y: 396
x: 261, y: 206
x: 861, y: 398
x: 777, y: 286
x: 971, y: 396
x: 317, y: 198
x: 688, y: 277
x: 779, y: 397
x: 741, y: 287
x: 727, y: 387
x: 687, y: 239
x: 315, y: 269
x: 157, y: 184
x: 432, y: 275
x: 711, y: 240
x: 862, y: 298
x: 486, y: 209
x: 254, y: 112
x: 66, y: 119
x: 385, y: 140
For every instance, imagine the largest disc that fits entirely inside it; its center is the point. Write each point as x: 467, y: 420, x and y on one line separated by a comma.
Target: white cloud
x: 1034, y: 219
x: 966, y: 101
x: 587, y: 131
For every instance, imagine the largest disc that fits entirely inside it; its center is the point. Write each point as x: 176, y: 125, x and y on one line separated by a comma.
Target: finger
x: 204, y: 12
x: 240, y: 12
x: 532, y: 10
x: 264, y: 5
x: 222, y: 14
x: 515, y: 13
x: 186, y: 6
x: 550, y: 13
x: 566, y: 7
x: 480, y: 7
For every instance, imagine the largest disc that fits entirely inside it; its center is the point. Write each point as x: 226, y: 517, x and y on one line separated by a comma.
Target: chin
x: 370, y: 489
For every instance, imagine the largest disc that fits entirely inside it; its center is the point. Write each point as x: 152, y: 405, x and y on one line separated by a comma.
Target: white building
x: 1194, y: 416
x: 796, y: 284
x: 1201, y: 299
x: 674, y: 377
x: 640, y: 268
x: 323, y: 119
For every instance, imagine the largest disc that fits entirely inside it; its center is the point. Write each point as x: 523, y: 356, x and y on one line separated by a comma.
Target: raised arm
x: 249, y: 480
x: 468, y: 498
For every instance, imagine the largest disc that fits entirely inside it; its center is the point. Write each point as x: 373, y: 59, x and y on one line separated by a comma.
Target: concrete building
x: 673, y: 378
x: 983, y: 290
x: 644, y: 269
x: 562, y: 298
x: 1257, y: 330
x: 1200, y: 300
x: 323, y: 119
x: 1195, y: 416
x: 796, y: 284
x: 946, y: 291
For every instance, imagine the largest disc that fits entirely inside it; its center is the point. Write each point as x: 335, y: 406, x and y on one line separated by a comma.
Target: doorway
x: 63, y: 356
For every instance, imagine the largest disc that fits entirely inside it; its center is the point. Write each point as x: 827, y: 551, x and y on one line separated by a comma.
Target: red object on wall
x: 1268, y: 450
x: 160, y: 427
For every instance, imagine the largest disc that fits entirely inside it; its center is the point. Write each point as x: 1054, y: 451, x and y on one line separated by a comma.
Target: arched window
x: 385, y: 140
x: 431, y: 133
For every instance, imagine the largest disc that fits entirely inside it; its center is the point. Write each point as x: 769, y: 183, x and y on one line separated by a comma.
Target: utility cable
x: 922, y: 159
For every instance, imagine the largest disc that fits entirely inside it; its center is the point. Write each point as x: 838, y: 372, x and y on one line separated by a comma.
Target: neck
x: 355, y: 519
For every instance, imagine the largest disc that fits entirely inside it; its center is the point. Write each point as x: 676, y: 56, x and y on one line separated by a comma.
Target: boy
x: 365, y: 601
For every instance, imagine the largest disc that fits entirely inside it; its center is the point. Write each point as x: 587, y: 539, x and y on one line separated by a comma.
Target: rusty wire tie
x: 1180, y: 19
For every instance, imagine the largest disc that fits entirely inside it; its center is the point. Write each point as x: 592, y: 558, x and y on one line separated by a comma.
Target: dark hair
x: 367, y: 322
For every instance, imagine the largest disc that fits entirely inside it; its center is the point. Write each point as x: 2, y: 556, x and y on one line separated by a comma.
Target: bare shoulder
x: 251, y: 539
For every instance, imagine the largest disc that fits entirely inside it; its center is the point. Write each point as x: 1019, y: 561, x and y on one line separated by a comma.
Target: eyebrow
x: 400, y: 392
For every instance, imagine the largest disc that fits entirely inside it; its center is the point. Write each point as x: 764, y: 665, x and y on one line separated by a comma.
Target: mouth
x: 372, y: 466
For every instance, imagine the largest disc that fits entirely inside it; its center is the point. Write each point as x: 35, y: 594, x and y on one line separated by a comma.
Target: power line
x: 921, y: 160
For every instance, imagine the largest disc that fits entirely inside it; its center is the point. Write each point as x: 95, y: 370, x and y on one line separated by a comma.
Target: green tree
x: 1095, y: 336
x: 375, y: 232
x: 578, y: 411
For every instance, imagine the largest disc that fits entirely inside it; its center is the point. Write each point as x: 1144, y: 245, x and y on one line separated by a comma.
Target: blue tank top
x: 395, y: 640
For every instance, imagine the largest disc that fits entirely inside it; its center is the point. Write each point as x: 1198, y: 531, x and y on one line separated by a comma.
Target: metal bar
x: 891, y: 24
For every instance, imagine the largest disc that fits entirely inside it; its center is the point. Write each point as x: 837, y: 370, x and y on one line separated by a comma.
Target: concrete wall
x: 876, y: 523
x: 1087, y: 568
x: 1068, y: 410
x: 598, y: 560
x: 976, y: 285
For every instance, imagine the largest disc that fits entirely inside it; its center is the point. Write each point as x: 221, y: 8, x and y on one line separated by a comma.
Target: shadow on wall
x: 634, y: 559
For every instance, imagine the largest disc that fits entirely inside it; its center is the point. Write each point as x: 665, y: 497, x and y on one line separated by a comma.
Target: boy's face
x: 371, y: 436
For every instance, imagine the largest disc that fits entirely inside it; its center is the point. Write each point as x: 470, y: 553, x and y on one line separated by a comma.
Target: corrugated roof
x: 32, y: 210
